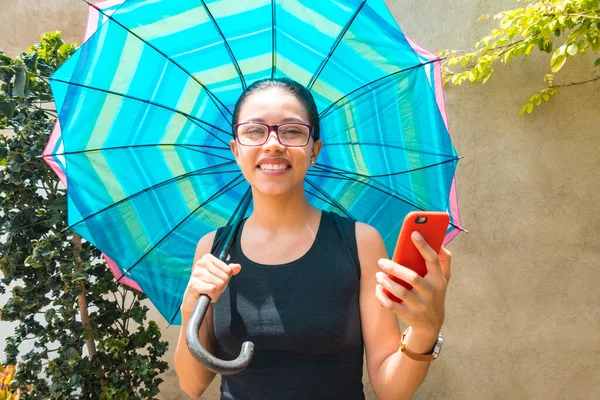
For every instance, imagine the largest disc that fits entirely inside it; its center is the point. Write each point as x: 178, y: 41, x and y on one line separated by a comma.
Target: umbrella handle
x: 192, y: 332
x: 192, y: 336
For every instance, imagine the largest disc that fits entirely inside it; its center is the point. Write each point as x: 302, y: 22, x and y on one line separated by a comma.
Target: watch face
x: 438, y: 346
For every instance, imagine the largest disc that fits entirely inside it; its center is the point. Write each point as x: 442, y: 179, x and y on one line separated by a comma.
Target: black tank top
x: 303, y: 318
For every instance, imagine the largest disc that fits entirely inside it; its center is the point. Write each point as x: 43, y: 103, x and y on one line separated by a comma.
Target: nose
x: 273, y: 139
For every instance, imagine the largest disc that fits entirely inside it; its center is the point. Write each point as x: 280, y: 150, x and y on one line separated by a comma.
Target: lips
x: 273, y: 164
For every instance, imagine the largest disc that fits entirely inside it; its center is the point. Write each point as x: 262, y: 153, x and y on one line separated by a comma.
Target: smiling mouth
x: 274, y: 167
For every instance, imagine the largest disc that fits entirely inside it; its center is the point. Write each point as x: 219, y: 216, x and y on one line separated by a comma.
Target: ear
x: 234, y: 149
x: 316, y: 149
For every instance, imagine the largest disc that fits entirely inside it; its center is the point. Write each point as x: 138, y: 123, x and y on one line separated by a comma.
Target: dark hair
x: 291, y: 86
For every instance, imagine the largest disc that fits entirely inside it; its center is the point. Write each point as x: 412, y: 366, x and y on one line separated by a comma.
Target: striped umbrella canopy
x: 145, y: 110
x: 57, y: 161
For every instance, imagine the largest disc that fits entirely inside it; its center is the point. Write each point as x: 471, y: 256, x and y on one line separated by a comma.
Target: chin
x: 276, y: 188
x: 272, y: 189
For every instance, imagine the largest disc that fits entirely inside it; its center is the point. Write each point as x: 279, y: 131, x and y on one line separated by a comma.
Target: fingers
x: 397, y: 308
x: 407, y: 275
x: 210, y: 276
x: 424, y: 287
x: 408, y: 296
x: 211, y: 270
x: 431, y: 258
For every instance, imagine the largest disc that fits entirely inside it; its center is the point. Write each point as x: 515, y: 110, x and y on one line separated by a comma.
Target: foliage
x: 563, y: 28
x: 63, y: 295
x: 7, y: 373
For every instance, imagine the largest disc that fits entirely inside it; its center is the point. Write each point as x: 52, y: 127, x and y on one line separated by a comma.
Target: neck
x: 282, y: 212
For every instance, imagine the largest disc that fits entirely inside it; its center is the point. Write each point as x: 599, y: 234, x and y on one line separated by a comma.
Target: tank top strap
x: 219, y: 239
x: 332, y: 225
x: 346, y: 229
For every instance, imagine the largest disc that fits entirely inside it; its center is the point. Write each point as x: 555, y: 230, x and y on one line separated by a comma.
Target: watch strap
x: 416, y: 356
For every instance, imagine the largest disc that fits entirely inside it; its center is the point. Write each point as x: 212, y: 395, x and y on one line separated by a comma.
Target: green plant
x: 7, y: 373
x: 64, y: 298
x: 563, y: 28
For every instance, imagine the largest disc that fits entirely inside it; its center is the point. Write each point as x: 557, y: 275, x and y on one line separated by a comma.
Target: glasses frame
x: 272, y: 128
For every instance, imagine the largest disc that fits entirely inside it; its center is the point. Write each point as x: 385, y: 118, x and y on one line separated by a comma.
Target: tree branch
x: 488, y: 50
x: 584, y: 15
x: 117, y: 322
x: 81, y: 299
x: 577, y: 83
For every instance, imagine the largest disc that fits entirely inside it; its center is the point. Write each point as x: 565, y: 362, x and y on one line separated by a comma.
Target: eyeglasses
x: 288, y: 134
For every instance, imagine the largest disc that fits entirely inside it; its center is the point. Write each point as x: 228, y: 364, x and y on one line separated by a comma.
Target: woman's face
x: 274, y: 106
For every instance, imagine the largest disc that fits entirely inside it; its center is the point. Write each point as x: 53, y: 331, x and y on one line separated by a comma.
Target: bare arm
x: 393, y: 375
x: 194, y: 378
x: 209, y: 276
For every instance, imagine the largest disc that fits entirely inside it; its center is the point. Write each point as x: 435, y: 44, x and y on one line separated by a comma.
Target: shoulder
x: 205, y: 244
x: 370, y: 247
x: 367, y: 236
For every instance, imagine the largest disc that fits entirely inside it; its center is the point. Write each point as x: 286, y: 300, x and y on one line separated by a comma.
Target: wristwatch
x: 422, y: 357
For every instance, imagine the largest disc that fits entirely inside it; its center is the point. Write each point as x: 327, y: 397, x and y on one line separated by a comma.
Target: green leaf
x: 49, y: 314
x: 71, y: 354
x: 7, y: 109
x: 529, y: 108
x: 557, y: 62
x: 523, y: 109
x: 19, y: 88
x: 472, y: 76
x: 597, y: 63
x: 64, y: 50
x: 486, y: 78
x: 572, y: 49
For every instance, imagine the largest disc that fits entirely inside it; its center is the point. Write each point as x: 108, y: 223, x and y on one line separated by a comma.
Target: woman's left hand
x: 422, y: 307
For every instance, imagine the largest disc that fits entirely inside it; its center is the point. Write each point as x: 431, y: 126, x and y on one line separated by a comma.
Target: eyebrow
x: 288, y: 119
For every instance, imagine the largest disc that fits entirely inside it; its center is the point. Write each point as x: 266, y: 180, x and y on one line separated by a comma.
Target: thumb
x: 235, y: 269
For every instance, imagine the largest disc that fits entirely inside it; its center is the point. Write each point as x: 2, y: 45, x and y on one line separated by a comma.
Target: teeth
x: 273, y: 166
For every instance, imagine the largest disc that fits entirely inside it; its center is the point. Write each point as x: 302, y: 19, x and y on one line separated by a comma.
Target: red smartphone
x: 432, y: 226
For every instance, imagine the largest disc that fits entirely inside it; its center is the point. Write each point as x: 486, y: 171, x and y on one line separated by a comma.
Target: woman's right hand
x: 209, y: 276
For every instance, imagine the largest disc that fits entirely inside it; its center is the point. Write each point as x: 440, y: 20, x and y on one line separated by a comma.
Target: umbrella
x: 145, y: 110
x: 56, y: 161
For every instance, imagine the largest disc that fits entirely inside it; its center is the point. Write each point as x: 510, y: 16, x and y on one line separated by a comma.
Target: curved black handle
x: 192, y: 337
x: 192, y: 332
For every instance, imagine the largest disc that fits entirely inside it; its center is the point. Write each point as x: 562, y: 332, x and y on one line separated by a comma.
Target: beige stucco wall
x: 523, y: 308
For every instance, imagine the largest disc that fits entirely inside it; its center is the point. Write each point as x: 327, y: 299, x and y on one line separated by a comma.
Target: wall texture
x: 523, y: 308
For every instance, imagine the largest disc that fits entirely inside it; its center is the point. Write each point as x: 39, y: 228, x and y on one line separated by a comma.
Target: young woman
x: 308, y: 285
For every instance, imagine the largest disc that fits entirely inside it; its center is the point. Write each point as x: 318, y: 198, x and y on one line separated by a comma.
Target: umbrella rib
x: 331, y: 199
x: 327, y: 144
x: 335, y: 45
x: 328, y: 167
x: 325, y: 111
x: 186, y: 146
x: 388, y: 191
x: 229, y: 51
x: 274, y: 40
x: 201, y: 171
x: 191, y: 118
x: 320, y: 198
x: 214, y: 98
x: 216, y: 195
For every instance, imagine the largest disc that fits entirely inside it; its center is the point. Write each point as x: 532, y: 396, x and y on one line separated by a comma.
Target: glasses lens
x: 252, y: 134
x: 293, y: 135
